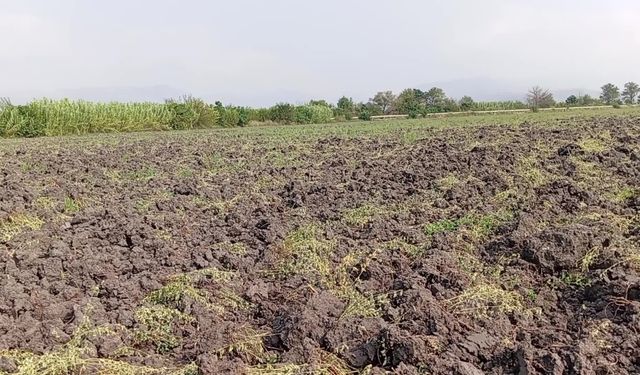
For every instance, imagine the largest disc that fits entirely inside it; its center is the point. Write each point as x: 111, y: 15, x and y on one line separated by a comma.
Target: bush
x: 183, y: 116
x: 259, y: 114
x: 304, y: 114
x: 192, y: 113
x: 321, y: 114
x: 364, y: 114
x: 466, y: 103
x: 414, y: 113
x: 244, y: 116
x: 207, y: 115
x: 19, y: 121
x: 313, y: 114
x: 345, y: 108
x: 283, y: 113
x: 229, y: 118
x: 15, y: 121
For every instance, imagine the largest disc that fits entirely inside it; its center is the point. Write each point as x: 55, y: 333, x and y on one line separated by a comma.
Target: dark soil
x: 499, y: 250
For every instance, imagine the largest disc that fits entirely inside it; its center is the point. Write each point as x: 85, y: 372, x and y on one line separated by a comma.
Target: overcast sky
x: 258, y: 52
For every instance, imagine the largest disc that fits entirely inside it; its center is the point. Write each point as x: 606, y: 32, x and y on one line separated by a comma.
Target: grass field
x: 408, y: 128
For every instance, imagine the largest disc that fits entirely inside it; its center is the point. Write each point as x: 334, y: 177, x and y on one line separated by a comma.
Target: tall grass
x: 498, y: 105
x: 46, y: 117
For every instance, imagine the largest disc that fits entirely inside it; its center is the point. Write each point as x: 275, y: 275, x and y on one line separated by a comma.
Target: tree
x: 572, y: 100
x: 466, y: 103
x: 586, y: 99
x: 321, y: 102
x: 283, y: 113
x: 610, y: 94
x: 409, y: 102
x: 345, y: 108
x: 366, y: 110
x: 384, y: 101
x: 630, y: 92
x: 539, y: 98
x: 435, y: 99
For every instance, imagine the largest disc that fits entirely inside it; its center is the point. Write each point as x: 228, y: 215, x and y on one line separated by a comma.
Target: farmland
x: 501, y: 244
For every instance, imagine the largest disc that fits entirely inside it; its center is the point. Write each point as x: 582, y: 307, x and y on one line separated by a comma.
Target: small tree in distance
x: 384, y: 101
x: 466, y: 103
x: 434, y: 99
x: 539, y: 98
x: 610, y: 94
x: 345, y: 108
x: 572, y: 100
x: 409, y: 102
x: 630, y: 92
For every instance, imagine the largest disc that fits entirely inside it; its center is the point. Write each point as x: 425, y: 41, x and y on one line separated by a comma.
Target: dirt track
x: 502, y: 250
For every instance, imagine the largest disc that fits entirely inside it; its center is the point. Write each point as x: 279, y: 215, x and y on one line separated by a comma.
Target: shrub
x: 184, y: 117
x: 413, y: 113
x: 313, y: 114
x: 364, y: 113
x: 244, y: 116
x: 259, y: 114
x: 192, y: 113
x: 321, y: 114
x: 230, y: 117
x: 207, y: 115
x: 17, y: 121
x: 283, y: 113
x: 304, y: 114
x: 345, y: 108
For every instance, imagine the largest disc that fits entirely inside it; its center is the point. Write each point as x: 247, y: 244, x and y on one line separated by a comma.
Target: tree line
x: 415, y: 102
x: 57, y: 117
x: 610, y: 94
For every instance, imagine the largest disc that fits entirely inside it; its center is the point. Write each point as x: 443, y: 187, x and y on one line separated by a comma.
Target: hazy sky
x: 259, y: 52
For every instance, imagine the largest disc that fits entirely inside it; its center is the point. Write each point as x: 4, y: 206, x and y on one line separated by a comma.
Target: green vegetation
x: 156, y: 327
x: 596, y: 144
x: 479, y: 225
x: 577, y: 279
x: 625, y: 193
x: 304, y: 253
x: 71, y: 205
x: 313, y: 114
x: 51, y: 117
x: 484, y: 298
x: 46, y: 117
x: 528, y: 169
x: 164, y: 306
x: 16, y: 224
x: 362, y: 215
x: 183, y: 287
x: 75, y: 358
x: 441, y: 226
